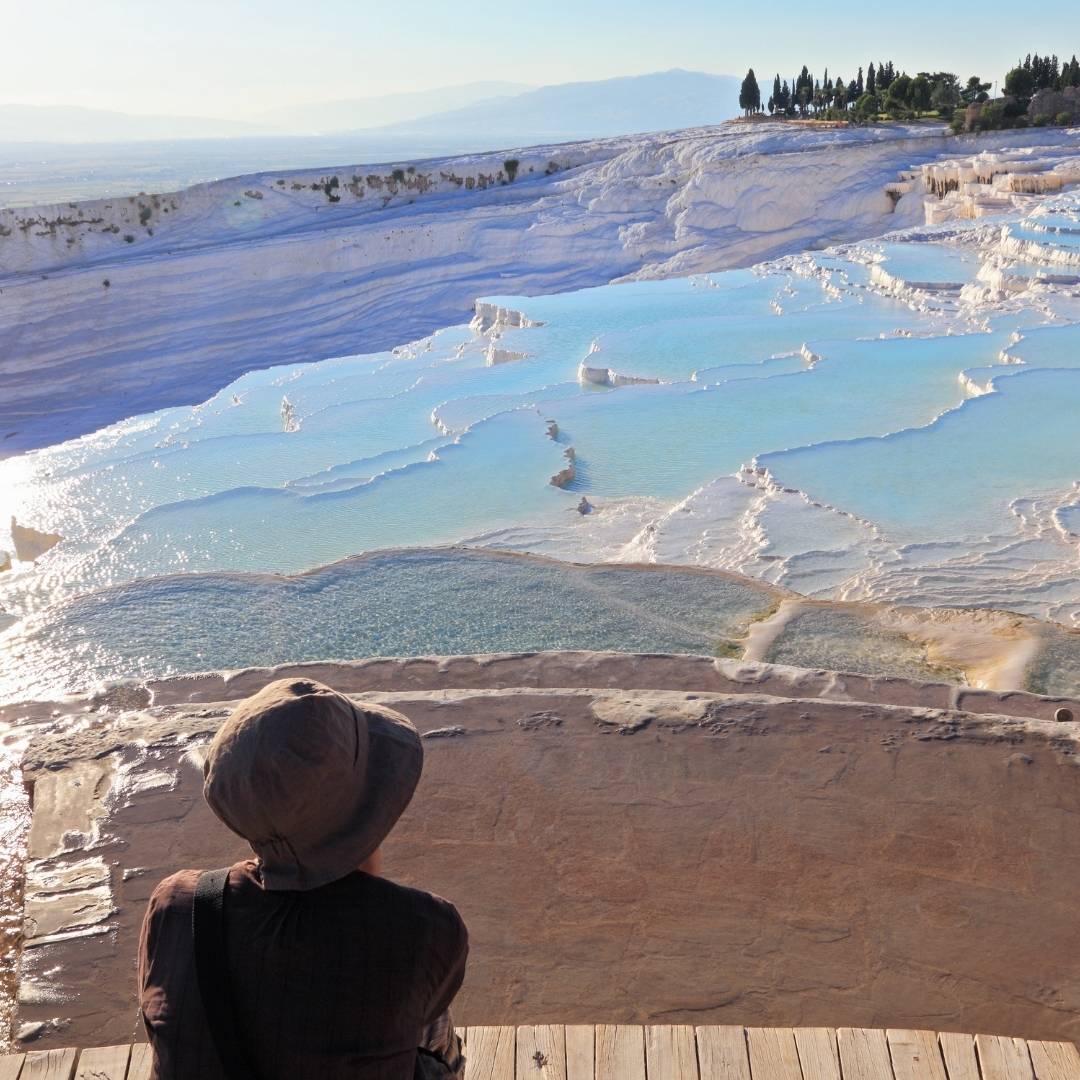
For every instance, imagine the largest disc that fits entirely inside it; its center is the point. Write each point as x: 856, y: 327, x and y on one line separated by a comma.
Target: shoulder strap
x: 208, y: 938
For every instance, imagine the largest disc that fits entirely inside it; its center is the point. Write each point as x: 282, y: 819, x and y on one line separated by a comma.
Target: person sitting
x: 304, y: 961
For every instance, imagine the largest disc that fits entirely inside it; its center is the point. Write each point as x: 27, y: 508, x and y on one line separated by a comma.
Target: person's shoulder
x: 178, y: 889
x: 420, y: 905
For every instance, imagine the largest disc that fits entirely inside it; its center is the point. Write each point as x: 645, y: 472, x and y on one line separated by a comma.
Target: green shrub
x: 991, y: 117
x: 510, y: 167
x: 957, y: 124
x: 1063, y: 119
x: 398, y: 176
x: 1042, y: 120
x: 145, y: 213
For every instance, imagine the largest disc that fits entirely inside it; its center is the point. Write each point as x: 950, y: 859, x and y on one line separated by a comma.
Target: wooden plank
x: 491, y: 1053
x: 103, y: 1063
x: 50, y: 1064
x: 864, y: 1054
x: 915, y: 1055
x: 10, y: 1066
x: 1055, y: 1060
x: 541, y: 1052
x: 142, y: 1058
x: 1002, y: 1058
x: 670, y: 1053
x: 959, y: 1054
x: 580, y: 1051
x: 722, y: 1053
x: 773, y: 1054
x: 818, y: 1056
x: 620, y: 1052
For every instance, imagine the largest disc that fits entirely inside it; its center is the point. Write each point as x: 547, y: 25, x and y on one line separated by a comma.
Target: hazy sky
x: 233, y: 58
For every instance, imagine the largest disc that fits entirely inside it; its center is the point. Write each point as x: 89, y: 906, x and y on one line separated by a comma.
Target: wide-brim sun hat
x: 311, y: 780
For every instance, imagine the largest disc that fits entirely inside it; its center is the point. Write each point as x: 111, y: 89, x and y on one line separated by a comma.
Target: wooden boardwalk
x: 669, y: 1052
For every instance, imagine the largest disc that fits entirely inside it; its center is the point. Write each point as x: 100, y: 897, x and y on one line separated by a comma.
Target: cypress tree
x: 750, y: 94
x: 871, y: 80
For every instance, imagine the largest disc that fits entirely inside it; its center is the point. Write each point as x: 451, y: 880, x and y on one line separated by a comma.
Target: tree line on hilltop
x: 885, y: 92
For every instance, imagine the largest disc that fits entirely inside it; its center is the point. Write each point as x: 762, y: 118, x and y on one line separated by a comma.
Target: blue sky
x: 233, y: 58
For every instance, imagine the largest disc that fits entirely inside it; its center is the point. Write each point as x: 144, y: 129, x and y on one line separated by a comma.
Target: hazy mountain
x: 474, y: 114
x: 72, y: 124
x: 665, y: 99
x: 366, y: 112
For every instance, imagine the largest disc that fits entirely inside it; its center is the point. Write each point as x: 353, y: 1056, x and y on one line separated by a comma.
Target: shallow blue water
x: 392, y: 604
x: 956, y: 477
x: 937, y: 264
x: 297, y: 466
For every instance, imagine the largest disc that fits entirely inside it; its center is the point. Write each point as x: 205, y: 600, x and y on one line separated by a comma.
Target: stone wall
x: 741, y: 850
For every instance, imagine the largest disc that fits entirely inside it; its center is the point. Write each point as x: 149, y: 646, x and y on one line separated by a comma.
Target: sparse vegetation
x: 510, y: 167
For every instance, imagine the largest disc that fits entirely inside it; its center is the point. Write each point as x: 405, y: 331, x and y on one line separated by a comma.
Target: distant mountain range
x: 622, y: 106
x: 330, y: 117
x: 499, y: 112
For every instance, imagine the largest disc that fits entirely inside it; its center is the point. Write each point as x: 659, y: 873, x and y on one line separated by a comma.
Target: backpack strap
x: 208, y: 938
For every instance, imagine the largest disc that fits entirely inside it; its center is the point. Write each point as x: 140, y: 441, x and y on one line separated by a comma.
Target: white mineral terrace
x: 887, y: 422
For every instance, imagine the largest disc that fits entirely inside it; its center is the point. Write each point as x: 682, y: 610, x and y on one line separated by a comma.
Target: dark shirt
x: 336, y: 982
